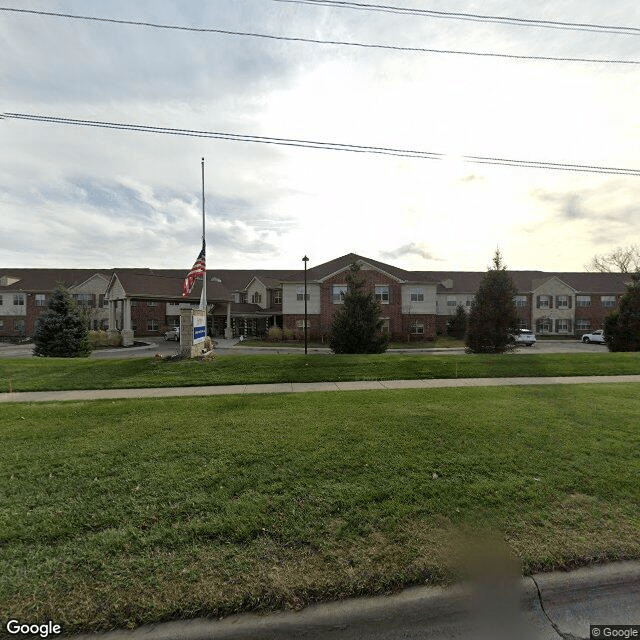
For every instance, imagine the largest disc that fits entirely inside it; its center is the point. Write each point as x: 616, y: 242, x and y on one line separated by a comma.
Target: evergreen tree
x: 622, y: 327
x: 61, y: 331
x: 357, y: 326
x: 493, y: 319
x: 457, y: 324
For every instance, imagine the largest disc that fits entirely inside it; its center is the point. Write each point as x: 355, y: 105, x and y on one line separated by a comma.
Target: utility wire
x: 363, y: 45
x: 474, y: 17
x: 327, y: 146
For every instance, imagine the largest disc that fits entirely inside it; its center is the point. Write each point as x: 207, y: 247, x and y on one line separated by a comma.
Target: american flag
x: 197, y: 270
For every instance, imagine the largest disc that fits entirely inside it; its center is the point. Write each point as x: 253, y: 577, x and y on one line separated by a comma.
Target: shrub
x: 61, y: 331
x: 622, y: 327
x: 287, y: 334
x: 274, y: 334
x: 357, y: 325
x: 493, y: 319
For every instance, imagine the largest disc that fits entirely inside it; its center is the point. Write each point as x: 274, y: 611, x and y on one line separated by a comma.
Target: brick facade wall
x: 399, y: 323
x: 141, y: 313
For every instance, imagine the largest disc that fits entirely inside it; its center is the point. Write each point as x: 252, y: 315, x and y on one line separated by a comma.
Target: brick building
x: 415, y: 304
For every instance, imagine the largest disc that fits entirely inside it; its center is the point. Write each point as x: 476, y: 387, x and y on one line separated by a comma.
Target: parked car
x: 594, y: 336
x: 172, y: 334
x: 525, y: 337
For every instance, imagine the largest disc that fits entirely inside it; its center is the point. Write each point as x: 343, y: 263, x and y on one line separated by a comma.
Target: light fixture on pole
x: 305, y: 260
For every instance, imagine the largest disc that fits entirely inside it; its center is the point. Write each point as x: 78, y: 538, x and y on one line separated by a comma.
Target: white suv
x: 594, y: 336
x: 525, y: 337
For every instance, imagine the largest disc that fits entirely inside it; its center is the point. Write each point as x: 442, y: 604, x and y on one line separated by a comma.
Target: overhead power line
x: 474, y: 17
x: 362, y: 45
x: 327, y: 146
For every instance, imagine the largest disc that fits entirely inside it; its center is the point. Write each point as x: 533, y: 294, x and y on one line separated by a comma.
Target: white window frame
x: 583, y: 324
x: 608, y: 302
x: 417, y: 294
x: 338, y: 292
x: 562, y: 302
x: 520, y: 301
x: 544, y: 302
x: 583, y: 301
x: 277, y: 296
x: 153, y: 324
x: 416, y: 328
x: 18, y: 299
x: 381, y: 292
x: 256, y: 297
x: 40, y: 299
x: 300, y: 294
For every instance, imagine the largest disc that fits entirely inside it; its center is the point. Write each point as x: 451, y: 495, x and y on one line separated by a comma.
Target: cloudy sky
x: 74, y: 196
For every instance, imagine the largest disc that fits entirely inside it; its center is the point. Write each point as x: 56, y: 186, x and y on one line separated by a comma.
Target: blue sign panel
x: 199, y: 334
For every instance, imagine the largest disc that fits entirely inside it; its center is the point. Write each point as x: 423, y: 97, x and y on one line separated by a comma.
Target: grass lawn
x: 119, y: 513
x: 47, y: 374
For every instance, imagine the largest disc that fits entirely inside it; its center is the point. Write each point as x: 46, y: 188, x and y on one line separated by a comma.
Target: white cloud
x: 136, y: 196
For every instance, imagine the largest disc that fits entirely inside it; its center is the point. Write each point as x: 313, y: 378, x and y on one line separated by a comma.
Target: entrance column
x: 228, y: 332
x: 127, y: 333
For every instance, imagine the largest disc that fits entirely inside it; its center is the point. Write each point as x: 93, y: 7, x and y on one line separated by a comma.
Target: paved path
x: 550, y: 606
x: 302, y: 387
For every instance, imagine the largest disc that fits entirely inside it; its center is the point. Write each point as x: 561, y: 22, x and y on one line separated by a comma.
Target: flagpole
x: 203, y: 297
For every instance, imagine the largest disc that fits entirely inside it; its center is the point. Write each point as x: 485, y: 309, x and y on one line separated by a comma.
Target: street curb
x: 450, y: 612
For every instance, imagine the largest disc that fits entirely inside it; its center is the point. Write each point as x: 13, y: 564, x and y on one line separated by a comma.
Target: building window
x: 543, y: 302
x: 300, y: 293
x: 417, y: 295
x: 338, y: 292
x: 583, y: 301
x: 452, y: 301
x: 152, y: 324
x: 469, y: 302
x: 562, y: 302
x: 277, y: 296
x: 523, y: 324
x: 608, y: 301
x: 382, y: 293
x: 300, y: 324
x: 416, y: 328
x: 41, y: 300
x: 134, y: 325
x: 0, y: 300
x: 1, y: 325
x: 386, y: 327
x: 256, y: 298
x: 83, y: 299
x: 18, y: 299
x: 583, y: 325
x: 544, y: 326
x: 521, y: 301
x: 242, y: 298
x: 151, y: 303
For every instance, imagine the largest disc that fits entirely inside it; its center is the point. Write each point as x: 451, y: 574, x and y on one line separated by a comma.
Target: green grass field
x: 47, y: 374
x: 119, y: 513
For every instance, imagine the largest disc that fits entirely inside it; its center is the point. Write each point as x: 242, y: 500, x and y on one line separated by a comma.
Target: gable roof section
x: 41, y: 280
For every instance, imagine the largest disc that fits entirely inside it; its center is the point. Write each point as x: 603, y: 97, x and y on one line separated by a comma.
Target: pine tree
x: 622, y: 327
x: 357, y: 325
x: 61, y: 331
x: 457, y: 324
x: 493, y: 319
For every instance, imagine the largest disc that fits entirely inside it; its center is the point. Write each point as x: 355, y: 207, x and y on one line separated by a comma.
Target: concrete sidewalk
x: 302, y: 387
x: 542, y: 607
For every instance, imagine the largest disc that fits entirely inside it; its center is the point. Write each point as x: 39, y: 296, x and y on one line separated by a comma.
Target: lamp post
x: 305, y: 260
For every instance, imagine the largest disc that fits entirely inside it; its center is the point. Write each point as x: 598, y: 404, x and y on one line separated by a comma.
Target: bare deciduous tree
x: 620, y: 260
